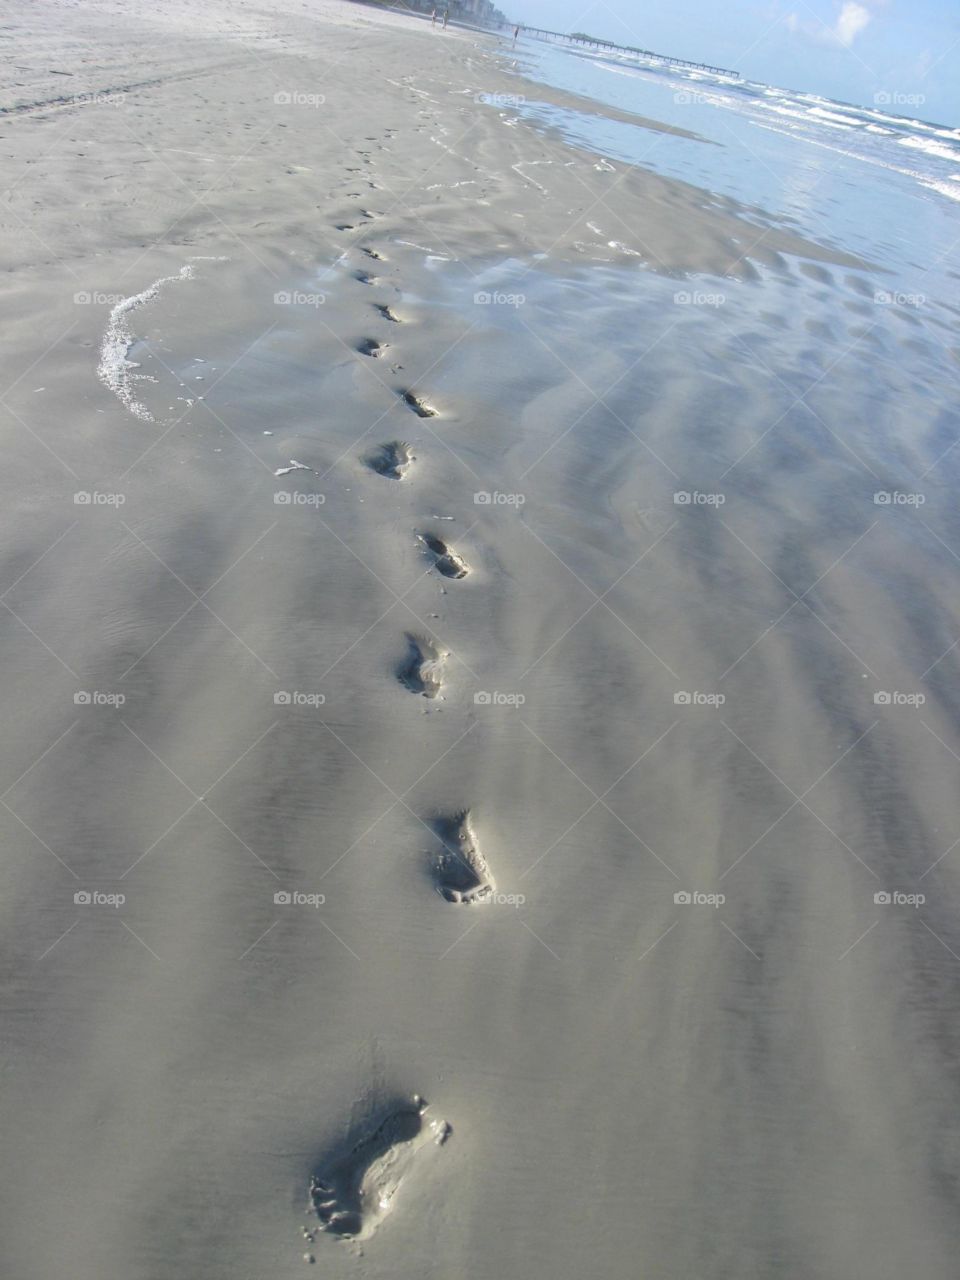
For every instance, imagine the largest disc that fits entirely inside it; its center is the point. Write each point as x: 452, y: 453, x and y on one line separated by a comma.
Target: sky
x: 852, y: 50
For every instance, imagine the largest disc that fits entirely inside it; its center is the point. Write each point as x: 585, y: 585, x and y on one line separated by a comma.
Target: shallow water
x: 876, y: 183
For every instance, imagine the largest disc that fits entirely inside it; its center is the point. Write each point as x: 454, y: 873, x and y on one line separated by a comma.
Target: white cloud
x: 853, y: 17
x: 852, y: 20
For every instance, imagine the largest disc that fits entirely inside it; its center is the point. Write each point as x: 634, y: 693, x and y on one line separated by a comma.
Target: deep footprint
x: 370, y: 347
x: 392, y: 460
x: 364, y: 277
x: 448, y: 562
x: 419, y: 407
x: 355, y: 1189
x: 387, y: 313
x: 372, y: 253
x: 461, y: 870
x: 422, y: 669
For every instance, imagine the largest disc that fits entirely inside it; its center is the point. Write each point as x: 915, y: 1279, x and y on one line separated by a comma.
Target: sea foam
x: 115, y: 371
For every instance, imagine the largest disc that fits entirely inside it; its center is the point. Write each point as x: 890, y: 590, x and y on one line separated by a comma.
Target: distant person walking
x: 433, y: 18
x: 516, y: 32
x: 446, y: 15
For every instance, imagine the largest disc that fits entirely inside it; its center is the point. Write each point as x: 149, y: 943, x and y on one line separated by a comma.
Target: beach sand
x: 378, y: 595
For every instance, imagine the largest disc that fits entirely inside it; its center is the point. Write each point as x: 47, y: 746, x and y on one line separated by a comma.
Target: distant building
x: 482, y: 11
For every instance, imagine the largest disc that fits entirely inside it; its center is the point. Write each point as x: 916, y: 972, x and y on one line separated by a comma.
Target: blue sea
x: 879, y: 181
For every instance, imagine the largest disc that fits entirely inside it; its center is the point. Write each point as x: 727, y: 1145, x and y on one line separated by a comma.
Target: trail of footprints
x: 356, y: 1184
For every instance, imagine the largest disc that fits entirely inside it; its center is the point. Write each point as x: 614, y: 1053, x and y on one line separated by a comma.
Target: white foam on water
x: 931, y: 148
x: 618, y: 71
x: 903, y: 121
x: 847, y: 121
x: 622, y: 248
x: 114, y: 369
x: 808, y: 117
x: 944, y: 188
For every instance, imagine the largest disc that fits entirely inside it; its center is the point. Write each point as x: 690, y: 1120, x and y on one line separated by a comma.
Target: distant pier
x: 589, y: 43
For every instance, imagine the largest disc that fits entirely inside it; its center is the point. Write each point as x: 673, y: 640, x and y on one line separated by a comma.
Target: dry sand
x: 632, y: 1087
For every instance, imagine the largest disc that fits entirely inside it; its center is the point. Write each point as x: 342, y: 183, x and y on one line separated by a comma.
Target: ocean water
x: 869, y: 180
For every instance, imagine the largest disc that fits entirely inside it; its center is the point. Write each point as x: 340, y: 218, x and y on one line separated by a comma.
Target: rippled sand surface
x: 480, y: 646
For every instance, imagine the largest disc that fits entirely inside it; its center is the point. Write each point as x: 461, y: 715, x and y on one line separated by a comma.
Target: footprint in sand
x: 364, y: 277
x: 447, y: 562
x: 419, y: 407
x: 387, y: 313
x: 356, y: 1187
x: 392, y: 460
x: 372, y: 253
x: 370, y: 347
x: 460, y: 870
x: 422, y: 669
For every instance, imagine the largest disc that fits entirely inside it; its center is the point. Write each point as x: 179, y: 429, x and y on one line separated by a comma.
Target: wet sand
x: 462, y: 662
